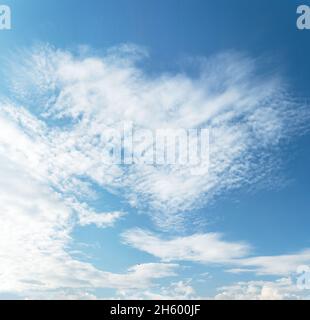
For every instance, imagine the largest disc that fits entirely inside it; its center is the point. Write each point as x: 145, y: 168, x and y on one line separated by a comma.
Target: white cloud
x: 51, y: 158
x: 100, y: 220
x: 87, y: 216
x: 25, y: 143
x: 274, y: 265
x: 37, y: 219
x: 181, y: 290
x: 281, y: 289
x: 204, y: 248
x: 210, y: 248
x: 76, y: 97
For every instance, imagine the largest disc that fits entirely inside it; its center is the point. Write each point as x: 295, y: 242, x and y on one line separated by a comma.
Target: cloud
x: 281, y: 289
x: 25, y: 143
x: 100, y: 220
x: 203, y: 248
x: 38, y: 217
x: 210, y: 248
x: 80, y: 280
x: 87, y: 216
x: 52, y: 162
x: 180, y: 290
x: 274, y: 265
x: 76, y: 97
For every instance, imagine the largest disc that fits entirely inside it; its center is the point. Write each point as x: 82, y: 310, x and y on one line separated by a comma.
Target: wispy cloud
x: 274, y: 265
x: 51, y: 157
x: 35, y: 234
x: 76, y: 97
x: 203, y: 248
x: 37, y: 215
x: 210, y: 248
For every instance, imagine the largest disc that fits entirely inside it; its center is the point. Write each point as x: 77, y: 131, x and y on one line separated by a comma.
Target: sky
x: 74, y: 227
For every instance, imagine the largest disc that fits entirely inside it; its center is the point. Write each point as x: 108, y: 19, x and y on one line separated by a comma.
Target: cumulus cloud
x: 180, y: 290
x: 281, y: 289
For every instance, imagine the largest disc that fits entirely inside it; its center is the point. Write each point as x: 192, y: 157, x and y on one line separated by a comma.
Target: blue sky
x: 238, y: 232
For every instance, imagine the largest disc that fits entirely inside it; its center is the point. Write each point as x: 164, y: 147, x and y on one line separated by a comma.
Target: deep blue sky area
x: 169, y: 29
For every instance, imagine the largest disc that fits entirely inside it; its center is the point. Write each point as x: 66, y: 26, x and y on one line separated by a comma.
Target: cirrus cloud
x: 51, y: 158
x: 74, y: 98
